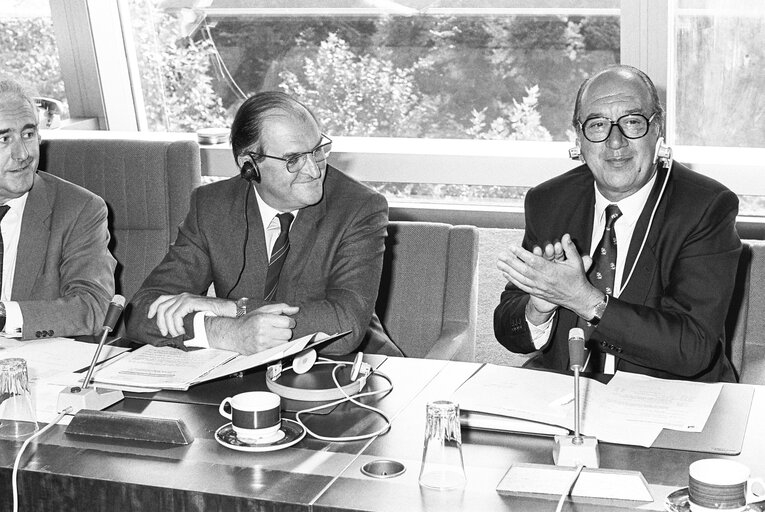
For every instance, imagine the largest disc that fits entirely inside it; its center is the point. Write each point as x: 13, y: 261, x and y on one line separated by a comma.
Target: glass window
x: 29, y: 54
x: 447, y: 69
x: 720, y: 83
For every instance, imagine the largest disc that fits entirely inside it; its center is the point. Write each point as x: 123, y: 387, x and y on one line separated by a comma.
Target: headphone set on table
x: 285, y: 382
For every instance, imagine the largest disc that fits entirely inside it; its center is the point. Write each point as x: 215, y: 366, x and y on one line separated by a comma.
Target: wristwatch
x: 241, y: 306
x: 600, y: 308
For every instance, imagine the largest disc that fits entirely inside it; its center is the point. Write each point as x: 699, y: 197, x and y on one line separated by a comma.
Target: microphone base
x: 568, y: 453
x: 88, y: 398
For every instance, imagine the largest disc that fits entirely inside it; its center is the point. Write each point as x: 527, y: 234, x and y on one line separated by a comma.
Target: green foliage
x: 176, y: 76
x: 521, y: 121
x: 29, y: 55
x: 357, y: 95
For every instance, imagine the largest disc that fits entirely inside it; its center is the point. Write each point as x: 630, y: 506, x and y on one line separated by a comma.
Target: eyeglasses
x: 632, y: 126
x: 296, y: 162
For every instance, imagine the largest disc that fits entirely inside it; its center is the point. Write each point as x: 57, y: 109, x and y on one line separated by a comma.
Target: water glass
x: 442, y: 465
x: 17, y: 416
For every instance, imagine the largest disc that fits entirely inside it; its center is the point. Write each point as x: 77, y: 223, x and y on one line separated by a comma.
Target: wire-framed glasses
x: 296, y: 162
x: 632, y: 126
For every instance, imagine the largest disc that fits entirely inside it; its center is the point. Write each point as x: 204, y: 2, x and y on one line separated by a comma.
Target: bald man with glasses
x: 641, y: 257
x: 292, y: 246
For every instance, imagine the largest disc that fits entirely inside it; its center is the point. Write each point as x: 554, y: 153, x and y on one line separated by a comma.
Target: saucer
x: 678, y: 502
x: 289, y: 434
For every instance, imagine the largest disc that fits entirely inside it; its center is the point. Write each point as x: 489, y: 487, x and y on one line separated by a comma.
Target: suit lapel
x: 640, y: 282
x: 302, y: 239
x: 33, y: 239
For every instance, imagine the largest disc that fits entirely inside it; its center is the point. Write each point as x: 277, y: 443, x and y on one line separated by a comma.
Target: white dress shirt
x: 631, y: 208
x: 10, y: 227
x: 271, y: 228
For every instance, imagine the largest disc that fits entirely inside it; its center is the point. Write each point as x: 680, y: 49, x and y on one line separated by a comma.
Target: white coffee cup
x: 254, y: 415
x: 720, y: 484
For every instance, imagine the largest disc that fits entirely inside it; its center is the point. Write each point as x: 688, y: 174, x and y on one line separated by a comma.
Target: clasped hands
x: 262, y: 328
x: 554, y: 276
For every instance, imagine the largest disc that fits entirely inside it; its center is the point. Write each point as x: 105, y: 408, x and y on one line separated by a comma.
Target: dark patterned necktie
x: 3, y: 210
x: 603, y: 270
x: 278, y: 255
x: 602, y: 275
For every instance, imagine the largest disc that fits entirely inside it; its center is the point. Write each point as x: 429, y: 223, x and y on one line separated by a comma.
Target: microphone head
x: 113, y: 313
x: 576, y: 348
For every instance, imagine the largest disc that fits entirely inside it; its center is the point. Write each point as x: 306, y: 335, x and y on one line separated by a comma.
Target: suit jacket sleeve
x: 85, y: 278
x: 510, y: 326
x: 185, y: 268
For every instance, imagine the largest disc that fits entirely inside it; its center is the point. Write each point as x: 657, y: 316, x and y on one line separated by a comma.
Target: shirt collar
x: 17, y: 203
x: 631, y: 206
x: 267, y: 213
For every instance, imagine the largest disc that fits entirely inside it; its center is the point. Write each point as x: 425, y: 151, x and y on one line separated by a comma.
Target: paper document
x: 170, y: 368
x: 54, y: 363
x: 631, y: 409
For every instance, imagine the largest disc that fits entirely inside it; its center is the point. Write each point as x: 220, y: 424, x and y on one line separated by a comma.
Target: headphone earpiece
x: 250, y: 171
x: 575, y: 153
x: 663, y: 153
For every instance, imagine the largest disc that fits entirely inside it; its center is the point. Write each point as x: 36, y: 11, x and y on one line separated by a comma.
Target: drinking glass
x: 442, y: 465
x: 17, y: 416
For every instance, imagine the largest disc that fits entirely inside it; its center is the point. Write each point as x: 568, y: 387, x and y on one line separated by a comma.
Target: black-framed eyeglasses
x: 296, y: 162
x: 632, y: 126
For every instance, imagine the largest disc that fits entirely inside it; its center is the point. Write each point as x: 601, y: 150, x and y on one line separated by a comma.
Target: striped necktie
x: 3, y: 210
x: 278, y: 255
x: 602, y: 275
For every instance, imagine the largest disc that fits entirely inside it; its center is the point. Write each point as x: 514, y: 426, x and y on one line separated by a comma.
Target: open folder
x: 152, y: 368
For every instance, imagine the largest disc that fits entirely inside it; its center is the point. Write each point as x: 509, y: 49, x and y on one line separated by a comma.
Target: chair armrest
x: 453, y: 343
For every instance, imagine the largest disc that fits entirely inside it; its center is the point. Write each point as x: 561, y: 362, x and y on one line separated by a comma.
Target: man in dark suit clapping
x: 660, y: 245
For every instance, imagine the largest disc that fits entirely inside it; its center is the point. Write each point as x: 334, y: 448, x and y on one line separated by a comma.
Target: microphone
x: 576, y: 450
x: 576, y: 359
x: 110, y: 321
x: 85, y: 397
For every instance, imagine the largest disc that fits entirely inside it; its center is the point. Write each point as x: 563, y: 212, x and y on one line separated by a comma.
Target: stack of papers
x: 151, y: 368
x: 632, y: 409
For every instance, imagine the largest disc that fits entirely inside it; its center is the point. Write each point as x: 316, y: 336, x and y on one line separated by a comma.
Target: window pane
x: 720, y: 84
x: 29, y: 54
x: 448, y: 69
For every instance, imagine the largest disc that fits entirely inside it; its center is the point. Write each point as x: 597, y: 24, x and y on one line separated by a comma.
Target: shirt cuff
x: 14, y: 320
x: 200, y: 333
x: 540, y: 334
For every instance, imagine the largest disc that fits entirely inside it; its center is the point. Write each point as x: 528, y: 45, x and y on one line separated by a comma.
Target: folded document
x: 631, y: 409
x: 152, y: 368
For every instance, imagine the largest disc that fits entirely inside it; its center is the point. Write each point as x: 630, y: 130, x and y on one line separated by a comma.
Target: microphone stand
x: 85, y: 396
x: 576, y: 450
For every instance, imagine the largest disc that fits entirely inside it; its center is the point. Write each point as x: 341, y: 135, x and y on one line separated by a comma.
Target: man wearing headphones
x: 292, y: 246
x: 663, y: 243
x: 55, y: 266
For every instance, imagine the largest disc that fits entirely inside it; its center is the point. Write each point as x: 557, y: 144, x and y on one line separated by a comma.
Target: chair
x: 147, y: 188
x: 746, y: 318
x: 427, y: 298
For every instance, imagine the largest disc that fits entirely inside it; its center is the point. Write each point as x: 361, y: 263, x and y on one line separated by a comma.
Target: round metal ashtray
x: 383, y: 468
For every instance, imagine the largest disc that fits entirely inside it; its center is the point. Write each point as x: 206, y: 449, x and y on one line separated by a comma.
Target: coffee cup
x: 254, y: 415
x: 721, y: 484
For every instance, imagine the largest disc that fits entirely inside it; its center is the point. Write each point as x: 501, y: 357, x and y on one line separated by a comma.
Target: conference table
x: 60, y: 471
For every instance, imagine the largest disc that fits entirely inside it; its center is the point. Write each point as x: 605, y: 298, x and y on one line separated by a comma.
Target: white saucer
x: 678, y: 502
x: 290, y: 433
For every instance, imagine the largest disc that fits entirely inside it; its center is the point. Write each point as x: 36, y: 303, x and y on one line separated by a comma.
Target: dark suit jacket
x: 332, y: 270
x: 64, y: 277
x: 669, y: 320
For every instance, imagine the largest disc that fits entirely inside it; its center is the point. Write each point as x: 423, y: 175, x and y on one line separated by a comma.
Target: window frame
x: 98, y: 64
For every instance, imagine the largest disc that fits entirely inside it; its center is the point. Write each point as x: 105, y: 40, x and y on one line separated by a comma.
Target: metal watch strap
x: 600, y: 309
